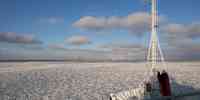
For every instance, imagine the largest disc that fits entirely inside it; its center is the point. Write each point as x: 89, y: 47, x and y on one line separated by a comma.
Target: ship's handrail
x: 178, y: 96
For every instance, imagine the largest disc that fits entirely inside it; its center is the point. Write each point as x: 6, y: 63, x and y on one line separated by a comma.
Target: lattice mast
x: 154, y: 51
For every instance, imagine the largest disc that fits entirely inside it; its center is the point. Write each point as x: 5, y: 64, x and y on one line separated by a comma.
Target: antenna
x: 154, y: 51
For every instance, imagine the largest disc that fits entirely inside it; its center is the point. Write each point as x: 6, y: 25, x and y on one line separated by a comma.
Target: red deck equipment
x: 165, y: 88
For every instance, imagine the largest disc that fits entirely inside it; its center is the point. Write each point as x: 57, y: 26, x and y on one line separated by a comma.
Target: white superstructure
x: 155, y: 54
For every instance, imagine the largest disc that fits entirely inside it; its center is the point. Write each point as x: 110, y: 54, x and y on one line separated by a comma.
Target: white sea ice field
x: 85, y: 81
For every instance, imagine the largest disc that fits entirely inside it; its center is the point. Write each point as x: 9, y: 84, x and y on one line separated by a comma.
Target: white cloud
x: 136, y: 22
x: 12, y: 37
x: 180, y: 40
x: 178, y: 36
x: 188, y: 30
x: 78, y: 40
x: 125, y: 51
x: 122, y: 45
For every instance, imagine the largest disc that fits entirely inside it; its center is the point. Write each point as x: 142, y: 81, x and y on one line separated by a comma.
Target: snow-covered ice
x: 84, y: 81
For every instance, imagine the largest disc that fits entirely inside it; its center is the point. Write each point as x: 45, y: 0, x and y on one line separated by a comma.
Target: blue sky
x: 72, y: 24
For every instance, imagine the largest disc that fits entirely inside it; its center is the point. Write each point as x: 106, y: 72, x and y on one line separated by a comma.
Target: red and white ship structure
x: 156, y: 85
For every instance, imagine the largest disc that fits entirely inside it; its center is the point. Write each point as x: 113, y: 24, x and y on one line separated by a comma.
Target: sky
x: 96, y: 29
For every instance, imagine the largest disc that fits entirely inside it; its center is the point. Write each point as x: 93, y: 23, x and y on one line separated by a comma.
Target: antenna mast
x: 154, y: 51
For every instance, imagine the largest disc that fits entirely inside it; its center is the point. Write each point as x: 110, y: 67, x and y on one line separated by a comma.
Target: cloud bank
x: 11, y: 37
x: 191, y: 30
x: 181, y: 39
x: 136, y: 22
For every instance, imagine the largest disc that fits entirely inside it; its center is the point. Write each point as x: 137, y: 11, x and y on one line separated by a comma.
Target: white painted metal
x: 155, y: 54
